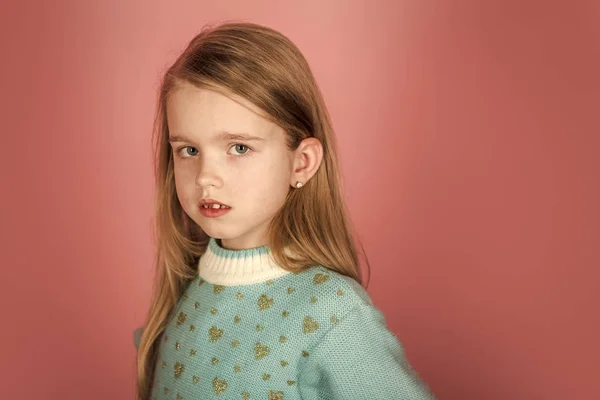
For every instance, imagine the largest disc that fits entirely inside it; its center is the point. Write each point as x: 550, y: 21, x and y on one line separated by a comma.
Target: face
x: 252, y: 174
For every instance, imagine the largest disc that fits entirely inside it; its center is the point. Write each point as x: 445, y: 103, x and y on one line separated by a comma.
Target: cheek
x: 272, y: 190
x: 265, y: 188
x: 184, y: 185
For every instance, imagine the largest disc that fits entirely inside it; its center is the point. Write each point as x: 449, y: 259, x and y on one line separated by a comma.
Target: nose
x: 207, y: 174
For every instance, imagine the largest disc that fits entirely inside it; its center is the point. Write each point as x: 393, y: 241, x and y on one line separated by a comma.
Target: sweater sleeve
x: 359, y: 358
x: 137, y: 337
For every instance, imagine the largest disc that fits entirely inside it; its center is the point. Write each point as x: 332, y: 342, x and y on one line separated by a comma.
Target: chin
x: 218, y: 232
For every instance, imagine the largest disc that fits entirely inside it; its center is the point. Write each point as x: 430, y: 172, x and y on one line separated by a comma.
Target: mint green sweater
x: 247, y: 329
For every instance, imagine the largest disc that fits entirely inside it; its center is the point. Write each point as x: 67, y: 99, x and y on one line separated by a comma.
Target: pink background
x: 469, y: 138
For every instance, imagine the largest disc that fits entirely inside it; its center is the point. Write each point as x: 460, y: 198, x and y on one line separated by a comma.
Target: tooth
x: 223, y: 206
x: 215, y: 205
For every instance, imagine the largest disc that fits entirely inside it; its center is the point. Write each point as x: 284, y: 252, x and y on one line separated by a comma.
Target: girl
x: 258, y: 292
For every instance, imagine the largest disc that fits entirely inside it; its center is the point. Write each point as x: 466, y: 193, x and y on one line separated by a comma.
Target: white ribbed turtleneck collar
x: 226, y: 267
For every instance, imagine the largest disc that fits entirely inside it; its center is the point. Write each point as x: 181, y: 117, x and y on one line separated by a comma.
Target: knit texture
x: 256, y: 331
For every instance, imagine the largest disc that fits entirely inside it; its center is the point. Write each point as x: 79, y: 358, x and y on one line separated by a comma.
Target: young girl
x: 258, y: 289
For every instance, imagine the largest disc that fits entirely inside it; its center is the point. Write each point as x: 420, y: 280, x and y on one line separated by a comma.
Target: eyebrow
x: 221, y: 136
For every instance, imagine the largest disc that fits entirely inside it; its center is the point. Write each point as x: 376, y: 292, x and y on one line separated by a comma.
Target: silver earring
x: 298, y: 185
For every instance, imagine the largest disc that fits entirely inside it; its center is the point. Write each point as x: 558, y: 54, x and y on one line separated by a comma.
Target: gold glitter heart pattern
x: 320, y: 278
x: 275, y: 395
x: 181, y: 318
x: 219, y: 385
x: 260, y: 351
x: 218, y: 289
x: 178, y: 369
x: 214, y: 334
x: 309, y: 325
x: 264, y: 302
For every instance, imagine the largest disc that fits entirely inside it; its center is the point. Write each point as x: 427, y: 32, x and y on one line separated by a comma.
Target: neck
x: 228, y: 267
x: 242, y: 243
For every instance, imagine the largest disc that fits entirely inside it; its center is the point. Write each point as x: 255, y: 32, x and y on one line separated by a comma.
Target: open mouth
x: 215, y: 205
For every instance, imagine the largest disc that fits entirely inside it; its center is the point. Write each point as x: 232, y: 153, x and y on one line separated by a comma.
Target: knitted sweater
x: 247, y: 329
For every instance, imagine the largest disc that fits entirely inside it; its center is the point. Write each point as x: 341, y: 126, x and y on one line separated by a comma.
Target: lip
x: 211, y: 201
x: 213, y: 212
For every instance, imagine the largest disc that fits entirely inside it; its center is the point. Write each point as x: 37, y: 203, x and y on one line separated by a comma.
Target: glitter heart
x: 264, y: 302
x: 179, y: 367
x: 275, y: 395
x: 309, y: 326
x: 219, y: 385
x: 260, y: 351
x: 214, y: 334
x: 181, y: 318
x: 320, y: 278
x: 218, y: 289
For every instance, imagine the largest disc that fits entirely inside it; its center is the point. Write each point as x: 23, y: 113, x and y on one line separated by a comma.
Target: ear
x: 307, y: 160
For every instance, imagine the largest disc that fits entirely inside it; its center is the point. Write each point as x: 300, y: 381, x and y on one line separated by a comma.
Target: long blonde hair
x: 260, y: 64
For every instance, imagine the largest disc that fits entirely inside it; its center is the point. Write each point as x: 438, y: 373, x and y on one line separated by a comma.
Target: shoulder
x: 330, y: 293
x: 334, y: 283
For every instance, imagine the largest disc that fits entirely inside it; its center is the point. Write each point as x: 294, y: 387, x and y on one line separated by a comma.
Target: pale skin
x: 250, y: 174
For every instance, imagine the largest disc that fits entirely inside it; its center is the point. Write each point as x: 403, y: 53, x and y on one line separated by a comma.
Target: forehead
x: 204, y: 114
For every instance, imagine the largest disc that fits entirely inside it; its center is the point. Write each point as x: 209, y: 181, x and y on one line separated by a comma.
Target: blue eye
x: 240, y: 149
x: 187, y: 152
x: 190, y: 151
